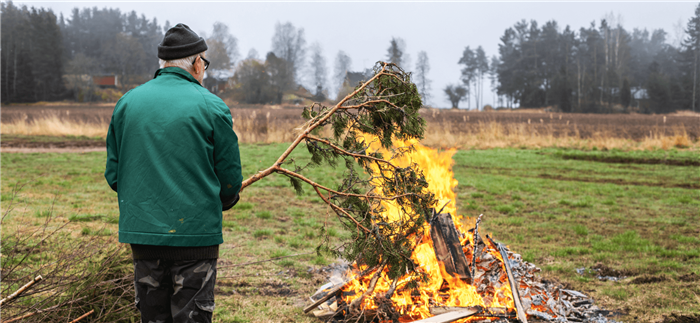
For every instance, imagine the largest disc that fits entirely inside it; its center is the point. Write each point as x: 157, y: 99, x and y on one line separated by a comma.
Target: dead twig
x: 21, y: 289
x: 476, y: 243
x: 370, y: 289
x: 83, y: 316
x: 48, y: 309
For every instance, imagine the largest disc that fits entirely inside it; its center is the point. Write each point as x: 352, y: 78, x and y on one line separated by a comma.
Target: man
x: 173, y: 159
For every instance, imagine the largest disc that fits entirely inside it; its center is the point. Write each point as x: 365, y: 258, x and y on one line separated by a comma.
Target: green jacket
x: 172, y: 158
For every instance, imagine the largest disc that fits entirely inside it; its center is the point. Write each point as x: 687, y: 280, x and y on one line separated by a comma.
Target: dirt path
x: 4, y: 150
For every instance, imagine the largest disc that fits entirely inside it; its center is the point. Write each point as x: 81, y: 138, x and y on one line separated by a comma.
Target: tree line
x: 600, y: 68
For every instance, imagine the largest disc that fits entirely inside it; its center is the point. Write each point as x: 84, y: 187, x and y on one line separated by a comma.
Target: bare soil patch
x: 631, y: 160
x: 619, y: 181
x: 604, y: 270
x: 648, y: 279
x: 679, y: 318
x: 56, y: 142
x: 690, y: 277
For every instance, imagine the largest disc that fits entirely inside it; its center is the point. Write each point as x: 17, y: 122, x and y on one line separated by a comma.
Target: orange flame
x: 437, y: 169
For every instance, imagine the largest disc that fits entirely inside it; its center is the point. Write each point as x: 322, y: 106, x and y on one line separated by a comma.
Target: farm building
x: 106, y: 81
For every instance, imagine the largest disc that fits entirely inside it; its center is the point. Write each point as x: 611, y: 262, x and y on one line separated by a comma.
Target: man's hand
x: 227, y: 204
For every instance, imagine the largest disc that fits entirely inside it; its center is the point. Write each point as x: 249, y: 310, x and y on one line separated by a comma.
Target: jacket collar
x: 177, y: 71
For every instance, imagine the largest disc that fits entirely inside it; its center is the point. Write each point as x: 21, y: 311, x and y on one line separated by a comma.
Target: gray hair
x: 183, y: 63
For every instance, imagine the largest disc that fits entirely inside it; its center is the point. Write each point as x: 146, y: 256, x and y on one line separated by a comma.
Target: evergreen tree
x: 31, y: 62
x: 26, y: 85
x: 691, y: 51
x: 395, y: 52
x: 469, y: 73
x: 625, y: 93
x: 658, y: 89
x: 481, y: 63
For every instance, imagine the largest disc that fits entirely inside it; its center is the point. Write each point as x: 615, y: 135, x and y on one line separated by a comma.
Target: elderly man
x: 172, y: 158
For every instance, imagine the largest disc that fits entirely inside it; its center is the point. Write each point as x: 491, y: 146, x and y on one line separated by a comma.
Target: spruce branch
x: 365, y: 125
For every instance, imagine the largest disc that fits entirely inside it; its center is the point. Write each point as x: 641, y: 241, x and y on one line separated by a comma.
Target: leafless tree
x: 678, y: 33
x: 318, y: 73
x: 253, y: 53
x: 223, y: 48
x: 289, y: 43
x: 422, y: 81
x: 341, y: 67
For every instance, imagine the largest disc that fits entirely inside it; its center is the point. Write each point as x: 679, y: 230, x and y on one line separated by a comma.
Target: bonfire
x: 414, y: 259
x: 468, y: 279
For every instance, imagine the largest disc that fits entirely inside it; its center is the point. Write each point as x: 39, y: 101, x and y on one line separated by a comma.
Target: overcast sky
x: 364, y: 29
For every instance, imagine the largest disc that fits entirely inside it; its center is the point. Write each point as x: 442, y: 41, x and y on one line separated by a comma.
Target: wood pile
x: 534, y: 299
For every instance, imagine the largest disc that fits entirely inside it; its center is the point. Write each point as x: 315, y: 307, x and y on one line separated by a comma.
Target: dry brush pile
x: 48, y: 275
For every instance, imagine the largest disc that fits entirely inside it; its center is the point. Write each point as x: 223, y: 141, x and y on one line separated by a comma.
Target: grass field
x: 630, y: 214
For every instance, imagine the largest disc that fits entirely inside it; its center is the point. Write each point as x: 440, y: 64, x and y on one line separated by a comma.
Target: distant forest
x: 601, y: 68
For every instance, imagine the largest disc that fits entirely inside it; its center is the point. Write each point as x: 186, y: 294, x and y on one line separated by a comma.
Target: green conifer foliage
x: 379, y: 111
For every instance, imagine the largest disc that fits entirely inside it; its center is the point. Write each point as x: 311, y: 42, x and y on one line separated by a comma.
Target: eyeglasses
x: 206, y: 62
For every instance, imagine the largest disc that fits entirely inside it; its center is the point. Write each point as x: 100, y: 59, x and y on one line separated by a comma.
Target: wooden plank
x: 450, y: 317
x: 321, y: 300
x: 437, y: 310
x: 520, y: 311
x: 335, y: 291
x: 442, y: 253
x: 447, y: 246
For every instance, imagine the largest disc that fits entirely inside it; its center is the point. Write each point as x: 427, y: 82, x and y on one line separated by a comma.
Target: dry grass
x: 486, y: 135
x: 444, y: 131
x: 55, y: 125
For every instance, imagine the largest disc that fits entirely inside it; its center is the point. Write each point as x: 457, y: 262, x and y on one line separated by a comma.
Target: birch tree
x: 422, y: 81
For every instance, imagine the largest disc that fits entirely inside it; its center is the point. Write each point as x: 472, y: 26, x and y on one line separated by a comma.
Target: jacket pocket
x: 206, y: 305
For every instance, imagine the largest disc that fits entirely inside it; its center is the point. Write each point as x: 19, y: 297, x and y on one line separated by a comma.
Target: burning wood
x: 511, y: 281
x: 452, y: 316
x: 447, y: 246
x: 470, y: 278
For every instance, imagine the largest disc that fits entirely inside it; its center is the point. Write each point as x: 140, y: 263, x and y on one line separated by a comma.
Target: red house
x: 105, y: 81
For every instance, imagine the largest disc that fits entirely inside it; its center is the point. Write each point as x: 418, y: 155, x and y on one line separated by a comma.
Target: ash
x: 543, y: 300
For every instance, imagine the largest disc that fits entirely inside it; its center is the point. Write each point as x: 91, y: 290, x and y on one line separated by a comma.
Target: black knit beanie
x: 179, y: 42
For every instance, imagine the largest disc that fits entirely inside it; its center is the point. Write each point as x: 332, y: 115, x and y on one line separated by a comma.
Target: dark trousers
x: 175, y: 290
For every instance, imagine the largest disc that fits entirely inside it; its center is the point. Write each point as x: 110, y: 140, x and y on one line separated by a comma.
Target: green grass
x: 642, y: 218
x: 558, y: 213
x: 264, y: 215
x: 580, y: 230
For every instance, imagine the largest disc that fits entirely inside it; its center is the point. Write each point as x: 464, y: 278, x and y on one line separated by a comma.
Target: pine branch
x: 365, y: 126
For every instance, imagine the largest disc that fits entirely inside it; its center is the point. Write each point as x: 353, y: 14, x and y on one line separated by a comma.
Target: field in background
x: 446, y: 128
x: 632, y: 215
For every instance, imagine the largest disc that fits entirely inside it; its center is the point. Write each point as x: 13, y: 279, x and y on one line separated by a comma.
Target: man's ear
x: 198, y: 67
